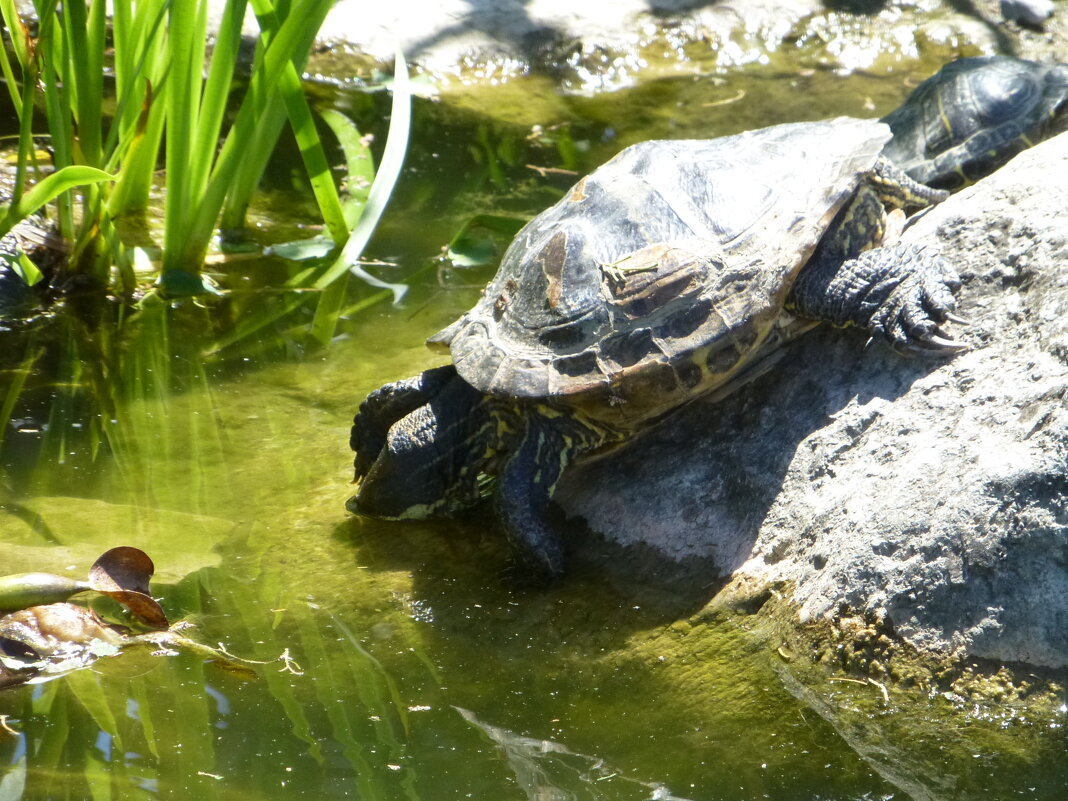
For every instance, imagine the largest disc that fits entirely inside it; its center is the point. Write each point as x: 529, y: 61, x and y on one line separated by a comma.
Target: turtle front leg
x: 388, y: 404
x: 421, y: 445
x: 541, y: 448
x: 901, y: 294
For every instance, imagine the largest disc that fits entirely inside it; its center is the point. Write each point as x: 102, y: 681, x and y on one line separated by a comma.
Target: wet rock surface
x: 593, y: 45
x: 929, y: 494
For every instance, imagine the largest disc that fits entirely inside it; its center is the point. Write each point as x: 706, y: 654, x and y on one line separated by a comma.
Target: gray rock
x: 1028, y: 12
x: 934, y: 492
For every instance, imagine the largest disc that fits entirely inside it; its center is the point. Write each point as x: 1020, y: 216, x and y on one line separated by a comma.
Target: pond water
x: 415, y: 668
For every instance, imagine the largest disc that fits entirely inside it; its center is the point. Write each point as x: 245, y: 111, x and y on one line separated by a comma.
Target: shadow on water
x: 856, y: 6
x: 513, y: 25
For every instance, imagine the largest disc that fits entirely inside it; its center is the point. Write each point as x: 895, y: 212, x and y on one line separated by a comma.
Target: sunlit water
x: 415, y: 669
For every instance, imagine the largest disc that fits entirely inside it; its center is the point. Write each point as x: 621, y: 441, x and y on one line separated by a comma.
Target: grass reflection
x: 180, y: 728
x: 99, y: 737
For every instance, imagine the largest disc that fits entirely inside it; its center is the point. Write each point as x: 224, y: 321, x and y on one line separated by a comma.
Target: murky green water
x: 416, y: 671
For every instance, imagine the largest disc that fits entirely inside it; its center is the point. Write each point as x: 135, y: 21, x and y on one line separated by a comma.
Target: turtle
x: 973, y: 115
x: 671, y: 272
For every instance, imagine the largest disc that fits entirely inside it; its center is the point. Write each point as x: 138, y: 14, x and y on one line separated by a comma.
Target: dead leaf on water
x: 123, y: 573
x: 41, y: 640
x: 46, y: 641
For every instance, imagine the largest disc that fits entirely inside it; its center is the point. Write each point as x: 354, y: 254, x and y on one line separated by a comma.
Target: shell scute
x: 649, y: 279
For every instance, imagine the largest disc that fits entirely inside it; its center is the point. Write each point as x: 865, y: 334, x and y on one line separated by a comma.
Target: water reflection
x: 602, y: 687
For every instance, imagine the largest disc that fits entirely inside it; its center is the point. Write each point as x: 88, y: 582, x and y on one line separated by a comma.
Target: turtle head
x: 420, y: 447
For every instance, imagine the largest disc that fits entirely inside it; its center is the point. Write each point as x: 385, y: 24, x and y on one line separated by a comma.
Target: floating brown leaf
x: 122, y: 574
x: 55, y: 628
x: 122, y: 568
x: 46, y: 641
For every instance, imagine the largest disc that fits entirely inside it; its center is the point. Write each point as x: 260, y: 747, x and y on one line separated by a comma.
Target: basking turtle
x: 667, y: 273
x: 975, y: 114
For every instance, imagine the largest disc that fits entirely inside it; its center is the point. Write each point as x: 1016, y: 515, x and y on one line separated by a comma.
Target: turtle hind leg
x: 901, y: 294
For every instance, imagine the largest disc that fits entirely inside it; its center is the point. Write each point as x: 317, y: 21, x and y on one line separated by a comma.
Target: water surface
x: 415, y: 668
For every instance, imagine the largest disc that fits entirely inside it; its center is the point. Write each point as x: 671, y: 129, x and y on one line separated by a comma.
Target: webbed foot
x: 388, y: 404
x: 419, y: 447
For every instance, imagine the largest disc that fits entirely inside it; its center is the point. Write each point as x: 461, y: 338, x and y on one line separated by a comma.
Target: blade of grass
x: 271, y: 117
x: 48, y: 189
x: 57, y: 105
x: 18, y: 34
x: 385, y: 178
x: 359, y: 164
x: 22, y: 92
x: 26, y: 269
x: 183, y: 106
x: 132, y: 146
x: 138, y: 164
x: 292, y: 43
x: 216, y: 89
x: 84, y: 30
x: 311, y: 151
x: 20, y: 42
x: 26, y: 144
x: 360, y: 175
x: 247, y: 174
x: 327, y: 310
x: 139, y: 66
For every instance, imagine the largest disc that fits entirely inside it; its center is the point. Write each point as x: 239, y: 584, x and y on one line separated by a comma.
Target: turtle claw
x: 944, y: 345
x: 913, y: 295
x: 956, y: 318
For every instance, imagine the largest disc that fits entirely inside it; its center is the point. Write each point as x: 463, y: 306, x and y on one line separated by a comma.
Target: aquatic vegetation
x: 105, y: 138
x: 121, y: 99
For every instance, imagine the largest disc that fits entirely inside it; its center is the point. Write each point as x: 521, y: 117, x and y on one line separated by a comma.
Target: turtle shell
x: 660, y: 274
x: 973, y: 115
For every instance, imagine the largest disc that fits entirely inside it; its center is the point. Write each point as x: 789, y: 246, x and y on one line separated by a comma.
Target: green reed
x: 170, y: 101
